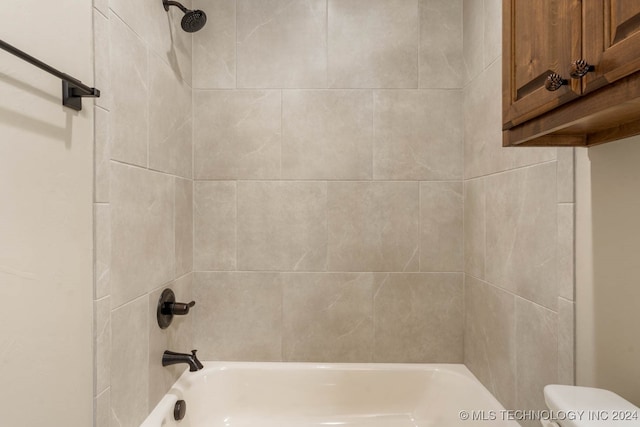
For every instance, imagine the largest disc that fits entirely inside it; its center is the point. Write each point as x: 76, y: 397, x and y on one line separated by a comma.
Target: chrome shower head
x: 192, y: 21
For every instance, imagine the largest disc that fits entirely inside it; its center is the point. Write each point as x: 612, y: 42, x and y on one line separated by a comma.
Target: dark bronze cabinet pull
x: 580, y: 68
x: 554, y: 82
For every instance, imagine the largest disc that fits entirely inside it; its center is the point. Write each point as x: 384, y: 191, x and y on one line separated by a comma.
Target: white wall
x: 46, y: 167
x: 608, y: 267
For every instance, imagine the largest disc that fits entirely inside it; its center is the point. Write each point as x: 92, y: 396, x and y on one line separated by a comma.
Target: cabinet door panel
x: 540, y: 38
x: 611, y: 40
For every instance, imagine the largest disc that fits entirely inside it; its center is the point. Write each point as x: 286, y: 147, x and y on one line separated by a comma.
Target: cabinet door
x: 539, y: 38
x: 611, y: 40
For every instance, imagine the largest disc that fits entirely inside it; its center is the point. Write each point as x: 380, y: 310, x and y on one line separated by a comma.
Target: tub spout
x: 172, y: 358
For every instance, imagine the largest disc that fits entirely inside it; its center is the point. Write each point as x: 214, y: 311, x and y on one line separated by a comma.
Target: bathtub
x: 242, y: 394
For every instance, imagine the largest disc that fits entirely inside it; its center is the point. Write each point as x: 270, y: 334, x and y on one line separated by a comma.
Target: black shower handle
x: 177, y: 308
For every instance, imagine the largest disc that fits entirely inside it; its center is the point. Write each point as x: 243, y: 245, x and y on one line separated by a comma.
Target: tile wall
x: 518, y: 237
x: 143, y: 203
x: 328, y: 194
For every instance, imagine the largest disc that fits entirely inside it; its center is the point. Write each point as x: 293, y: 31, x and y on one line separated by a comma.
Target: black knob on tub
x: 179, y: 410
x: 554, y: 82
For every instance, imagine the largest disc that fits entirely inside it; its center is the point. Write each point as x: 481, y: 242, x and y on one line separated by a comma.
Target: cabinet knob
x: 580, y: 68
x: 554, y: 82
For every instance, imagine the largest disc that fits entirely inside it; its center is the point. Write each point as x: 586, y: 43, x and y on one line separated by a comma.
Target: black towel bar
x: 73, y: 90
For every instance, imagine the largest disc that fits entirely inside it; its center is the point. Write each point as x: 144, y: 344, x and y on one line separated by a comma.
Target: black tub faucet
x: 172, y: 358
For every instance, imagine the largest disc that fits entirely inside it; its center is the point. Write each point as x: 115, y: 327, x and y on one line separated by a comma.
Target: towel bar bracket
x: 72, y: 95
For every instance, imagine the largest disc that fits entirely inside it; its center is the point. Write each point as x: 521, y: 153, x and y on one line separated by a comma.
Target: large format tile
x: 417, y: 135
x: 536, y: 355
x: 129, y: 112
x: 281, y: 44
x: 566, y: 251
x: 373, y: 226
x: 130, y: 364
x: 521, y: 233
x: 184, y: 226
x: 566, y: 175
x: 472, y: 39
x: 441, y: 221
x: 102, y: 156
x: 142, y: 230
x: 237, y: 134
x: 214, y: 230
x: 566, y: 342
x: 441, y: 64
x: 327, y: 317
x: 170, y: 141
x: 102, y: 344
x: 327, y: 134
x: 474, y: 227
x: 102, y: 250
x: 490, y: 338
x: 373, y: 43
x: 418, y: 317
x: 239, y: 316
x: 102, y: 57
x: 282, y: 226
x: 492, y: 31
x: 483, y: 151
x: 214, y: 47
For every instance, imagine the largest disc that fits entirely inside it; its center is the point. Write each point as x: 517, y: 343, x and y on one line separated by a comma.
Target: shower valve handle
x: 177, y: 308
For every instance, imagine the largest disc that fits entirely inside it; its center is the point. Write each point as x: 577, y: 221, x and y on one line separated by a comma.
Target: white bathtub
x: 242, y: 394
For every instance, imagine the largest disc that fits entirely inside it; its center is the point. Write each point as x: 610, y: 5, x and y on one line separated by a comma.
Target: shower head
x: 192, y: 21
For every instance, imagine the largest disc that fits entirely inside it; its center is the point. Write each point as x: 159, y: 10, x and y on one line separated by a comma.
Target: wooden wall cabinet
x: 546, y: 37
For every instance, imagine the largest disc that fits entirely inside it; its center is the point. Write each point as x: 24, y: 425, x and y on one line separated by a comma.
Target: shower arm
x: 168, y: 3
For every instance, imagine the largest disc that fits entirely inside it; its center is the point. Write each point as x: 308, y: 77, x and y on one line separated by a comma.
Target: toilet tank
x: 574, y: 406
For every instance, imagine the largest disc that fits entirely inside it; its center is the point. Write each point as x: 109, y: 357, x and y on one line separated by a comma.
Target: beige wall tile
x: 417, y: 135
x: 373, y: 43
x: 129, y: 110
x: 473, y: 36
x: 102, y: 58
x: 522, y: 233
x: 282, y: 226
x: 281, y: 44
x: 239, y: 316
x: 102, y: 250
x: 490, y: 338
x: 474, y: 227
x: 142, y: 230
x: 566, y: 177
x: 327, y: 317
x: 130, y: 363
x: 166, y: 38
x: 102, y: 156
x: 102, y: 409
x: 418, y: 317
x: 237, y: 134
x: 566, y: 251
x: 215, y: 216
x: 566, y: 342
x: 327, y: 134
x: 441, y: 221
x: 102, y: 344
x: 492, y: 31
x: 373, y: 226
x: 536, y: 354
x: 102, y: 6
x: 483, y: 151
x: 170, y: 126
x: 184, y: 226
x: 441, y: 63
x: 214, y: 47
x: 133, y: 13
